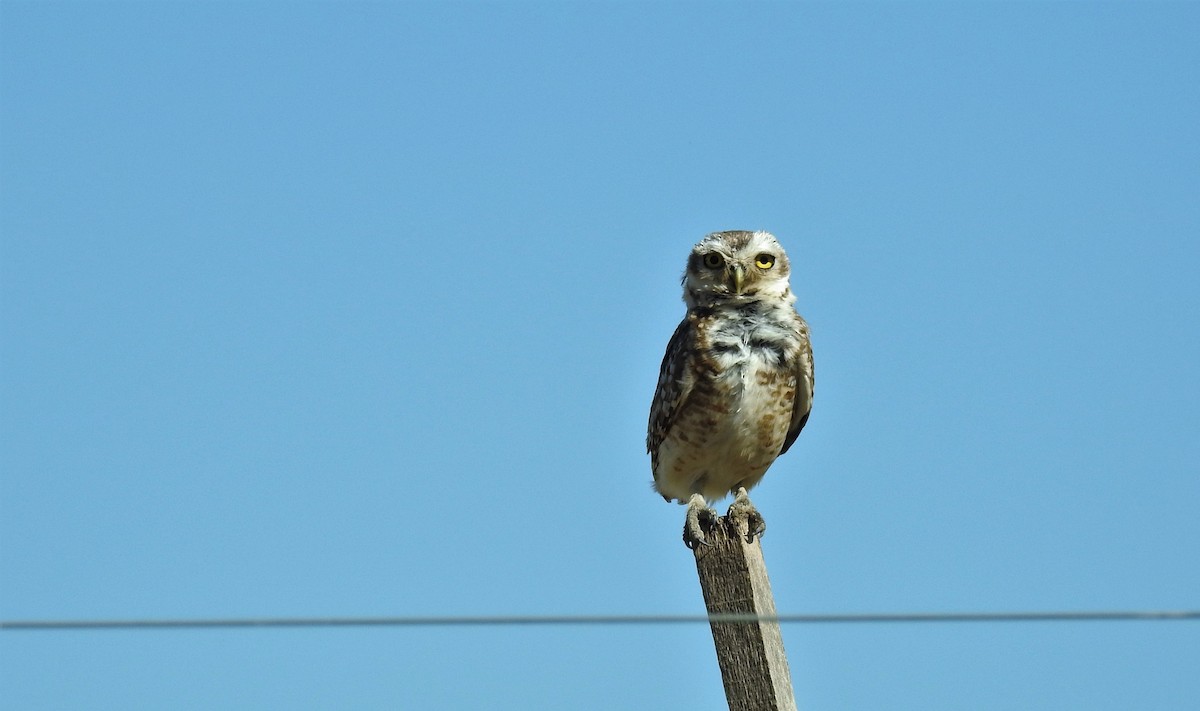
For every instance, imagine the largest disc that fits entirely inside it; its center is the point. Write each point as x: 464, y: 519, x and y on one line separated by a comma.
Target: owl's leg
x: 700, y: 518
x: 740, y: 507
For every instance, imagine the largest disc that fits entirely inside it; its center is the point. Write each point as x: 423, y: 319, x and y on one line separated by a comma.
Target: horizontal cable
x: 530, y: 620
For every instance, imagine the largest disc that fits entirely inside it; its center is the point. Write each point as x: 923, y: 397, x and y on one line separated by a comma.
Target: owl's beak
x: 739, y: 275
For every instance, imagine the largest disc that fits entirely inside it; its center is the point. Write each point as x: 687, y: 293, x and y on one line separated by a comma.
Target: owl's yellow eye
x: 764, y: 261
x: 712, y: 260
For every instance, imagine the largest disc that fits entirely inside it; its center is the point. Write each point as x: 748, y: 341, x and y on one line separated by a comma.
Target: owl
x: 736, y: 384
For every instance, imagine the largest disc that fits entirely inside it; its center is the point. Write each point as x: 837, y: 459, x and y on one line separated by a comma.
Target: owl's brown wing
x: 802, y: 405
x: 675, y: 381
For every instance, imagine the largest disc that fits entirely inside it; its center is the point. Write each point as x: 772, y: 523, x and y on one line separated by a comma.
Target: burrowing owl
x: 736, y: 384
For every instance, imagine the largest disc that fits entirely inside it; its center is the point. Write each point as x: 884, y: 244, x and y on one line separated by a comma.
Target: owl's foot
x: 700, y: 520
x: 742, y: 507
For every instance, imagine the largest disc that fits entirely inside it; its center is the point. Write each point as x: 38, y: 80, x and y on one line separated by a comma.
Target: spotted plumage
x: 736, y: 383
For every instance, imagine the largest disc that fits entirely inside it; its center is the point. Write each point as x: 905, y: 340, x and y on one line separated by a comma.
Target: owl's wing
x: 804, y: 386
x: 675, y: 381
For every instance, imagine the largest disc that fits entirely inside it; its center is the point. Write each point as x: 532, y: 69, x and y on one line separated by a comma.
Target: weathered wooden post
x: 733, y: 576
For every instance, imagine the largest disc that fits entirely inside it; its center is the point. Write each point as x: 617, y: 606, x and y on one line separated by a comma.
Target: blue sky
x: 357, y: 309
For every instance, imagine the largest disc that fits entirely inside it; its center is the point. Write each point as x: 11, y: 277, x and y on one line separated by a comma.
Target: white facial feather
x: 705, y: 284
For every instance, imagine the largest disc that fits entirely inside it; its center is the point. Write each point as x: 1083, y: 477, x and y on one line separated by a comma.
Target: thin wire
x: 531, y: 620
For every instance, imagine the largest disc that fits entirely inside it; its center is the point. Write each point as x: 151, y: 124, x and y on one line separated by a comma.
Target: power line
x: 593, y: 620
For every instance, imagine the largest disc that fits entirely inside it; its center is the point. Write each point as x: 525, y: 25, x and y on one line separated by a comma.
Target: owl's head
x: 737, y: 267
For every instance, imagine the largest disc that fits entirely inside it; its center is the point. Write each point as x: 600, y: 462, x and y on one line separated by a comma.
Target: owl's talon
x: 700, y: 519
x: 741, y: 507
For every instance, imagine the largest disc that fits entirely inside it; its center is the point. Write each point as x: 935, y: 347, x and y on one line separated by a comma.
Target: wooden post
x: 733, y: 576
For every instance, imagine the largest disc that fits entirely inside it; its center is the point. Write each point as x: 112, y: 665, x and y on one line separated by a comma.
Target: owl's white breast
x: 751, y: 378
x: 712, y: 455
